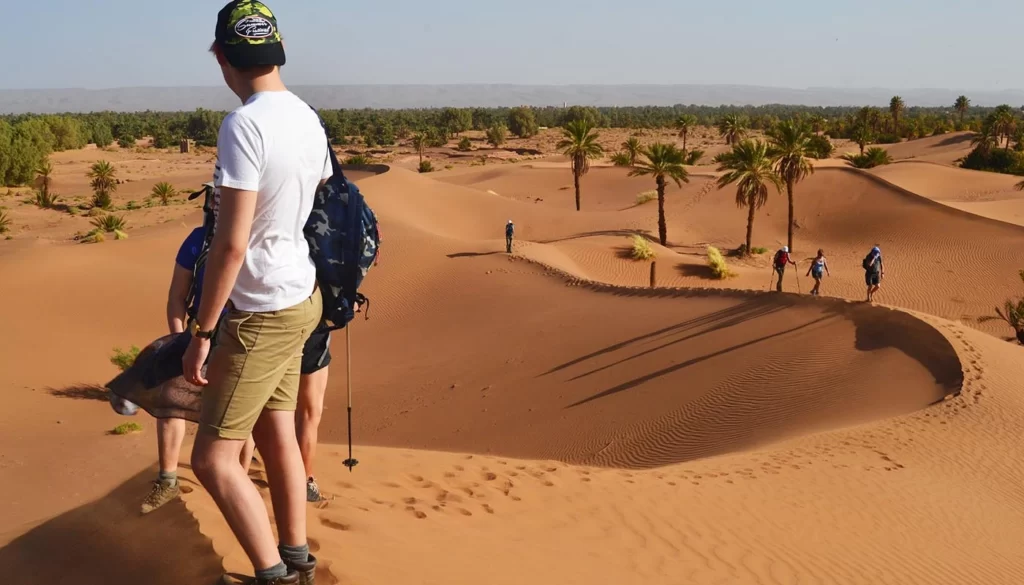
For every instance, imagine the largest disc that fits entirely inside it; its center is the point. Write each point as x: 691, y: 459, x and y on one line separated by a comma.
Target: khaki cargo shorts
x: 255, y: 365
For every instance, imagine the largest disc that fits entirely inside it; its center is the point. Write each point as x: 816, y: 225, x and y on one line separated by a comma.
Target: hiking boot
x: 162, y: 492
x: 313, y: 491
x: 306, y: 570
x: 292, y: 578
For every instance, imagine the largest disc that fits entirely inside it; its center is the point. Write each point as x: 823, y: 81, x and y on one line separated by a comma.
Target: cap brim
x: 243, y: 55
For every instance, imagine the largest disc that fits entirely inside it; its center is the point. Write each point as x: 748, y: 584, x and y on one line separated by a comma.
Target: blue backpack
x: 344, y: 241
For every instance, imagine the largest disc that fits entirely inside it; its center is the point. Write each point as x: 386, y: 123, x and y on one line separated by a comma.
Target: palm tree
x: 579, y: 143
x: 103, y: 181
x: 419, y: 142
x: 749, y: 165
x: 684, y: 124
x: 961, y: 105
x: 862, y: 135
x: 817, y: 123
x: 163, y: 191
x: 632, y: 149
x: 791, y: 150
x: 732, y: 127
x: 663, y: 161
x: 1004, y: 122
x: 896, y: 107
x: 1020, y: 186
x: 44, y: 180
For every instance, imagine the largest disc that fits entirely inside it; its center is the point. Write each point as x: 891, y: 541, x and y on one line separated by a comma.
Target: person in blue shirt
x: 510, y: 231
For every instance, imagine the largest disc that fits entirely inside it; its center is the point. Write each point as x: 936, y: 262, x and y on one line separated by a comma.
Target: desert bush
x: 465, y: 145
x: 131, y: 205
x: 887, y: 139
x: 642, y: 249
x: 163, y: 191
x: 985, y: 157
x: 621, y: 159
x: 105, y: 224
x: 126, y: 142
x: 496, y: 135
x: 646, y: 197
x: 357, y: 159
x: 872, y: 157
x: 1012, y: 313
x: 693, y: 157
x: 5, y: 222
x: 522, y: 122
x: 124, y: 359
x: 588, y: 113
x: 127, y: 428
x: 757, y: 250
x: 820, y: 146
x: 103, y: 180
x: 719, y: 269
x: 426, y: 167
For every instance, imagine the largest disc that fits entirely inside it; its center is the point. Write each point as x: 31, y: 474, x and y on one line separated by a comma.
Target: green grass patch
x: 642, y: 249
x: 127, y: 428
x: 124, y: 359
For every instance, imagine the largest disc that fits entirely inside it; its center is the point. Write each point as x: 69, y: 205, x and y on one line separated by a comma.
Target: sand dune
x: 543, y: 418
x: 943, y: 149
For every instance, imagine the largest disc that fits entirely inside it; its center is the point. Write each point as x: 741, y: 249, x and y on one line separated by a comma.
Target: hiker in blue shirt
x: 817, y: 270
x: 874, y: 271
x: 510, y: 231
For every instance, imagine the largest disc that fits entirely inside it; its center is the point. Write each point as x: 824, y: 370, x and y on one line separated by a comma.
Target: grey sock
x: 275, y: 572
x: 170, y: 477
x: 294, y: 554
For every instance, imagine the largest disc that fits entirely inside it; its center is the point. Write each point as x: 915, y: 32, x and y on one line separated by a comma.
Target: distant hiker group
x: 872, y: 265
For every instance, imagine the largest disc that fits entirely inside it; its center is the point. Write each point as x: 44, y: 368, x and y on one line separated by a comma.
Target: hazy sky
x: 784, y: 43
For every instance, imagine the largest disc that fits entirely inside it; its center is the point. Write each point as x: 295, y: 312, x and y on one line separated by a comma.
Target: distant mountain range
x: 469, y: 95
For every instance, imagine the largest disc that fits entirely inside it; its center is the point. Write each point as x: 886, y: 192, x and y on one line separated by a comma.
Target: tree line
x: 26, y: 139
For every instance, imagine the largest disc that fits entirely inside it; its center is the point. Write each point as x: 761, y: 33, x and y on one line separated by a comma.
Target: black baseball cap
x: 247, y: 33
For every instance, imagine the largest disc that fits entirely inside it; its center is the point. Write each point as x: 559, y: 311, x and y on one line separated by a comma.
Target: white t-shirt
x: 274, y: 145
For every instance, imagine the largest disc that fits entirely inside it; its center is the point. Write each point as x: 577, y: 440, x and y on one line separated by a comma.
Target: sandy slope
x: 617, y: 434
x: 943, y: 149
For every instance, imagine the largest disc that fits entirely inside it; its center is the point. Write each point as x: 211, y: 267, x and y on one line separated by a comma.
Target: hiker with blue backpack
x: 272, y: 156
x: 817, y: 270
x: 874, y: 271
x: 779, y: 263
x: 510, y: 232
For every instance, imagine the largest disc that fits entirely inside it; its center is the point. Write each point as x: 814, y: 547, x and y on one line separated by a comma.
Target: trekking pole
x: 351, y: 461
x: 797, y: 274
x: 771, y: 279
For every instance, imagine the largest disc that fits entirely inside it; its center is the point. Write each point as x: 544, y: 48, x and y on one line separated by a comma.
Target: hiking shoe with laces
x: 313, y: 491
x: 162, y: 492
x: 306, y: 570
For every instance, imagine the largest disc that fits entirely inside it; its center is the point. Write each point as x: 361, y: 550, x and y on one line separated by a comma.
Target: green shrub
x: 163, y: 191
x: 127, y: 428
x: 131, y: 205
x: 5, y: 222
x: 693, y: 157
x: 642, y: 249
x: 426, y: 167
x: 465, y: 145
x: 105, y: 224
x: 522, y: 123
x: 646, y: 197
x: 103, y: 180
x: 126, y: 142
x: 496, y: 135
x: 124, y: 359
x: 887, y: 139
x: 358, y: 159
x: 621, y: 159
x: 820, y: 146
x: 757, y: 250
x: 872, y: 157
x: 719, y: 269
x: 985, y: 157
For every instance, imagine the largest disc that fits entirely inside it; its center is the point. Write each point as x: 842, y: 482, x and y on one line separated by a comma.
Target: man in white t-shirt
x: 271, y: 158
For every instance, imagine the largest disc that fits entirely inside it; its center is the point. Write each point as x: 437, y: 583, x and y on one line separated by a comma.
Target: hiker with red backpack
x: 782, y: 258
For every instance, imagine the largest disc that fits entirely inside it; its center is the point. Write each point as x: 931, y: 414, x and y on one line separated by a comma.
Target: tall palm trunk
x: 576, y: 180
x: 750, y: 224
x: 662, y: 227
x: 789, y: 192
x: 685, y: 134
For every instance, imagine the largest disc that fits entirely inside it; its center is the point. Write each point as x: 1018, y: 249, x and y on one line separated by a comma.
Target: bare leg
x: 245, y: 457
x: 308, y: 414
x: 170, y: 432
x: 275, y: 438
x: 215, y: 463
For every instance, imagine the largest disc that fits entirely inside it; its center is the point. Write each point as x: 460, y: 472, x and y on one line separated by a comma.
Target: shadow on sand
x: 82, y: 392
x: 108, y: 542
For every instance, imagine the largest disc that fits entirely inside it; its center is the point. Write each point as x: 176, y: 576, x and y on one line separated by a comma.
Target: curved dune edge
x: 458, y: 518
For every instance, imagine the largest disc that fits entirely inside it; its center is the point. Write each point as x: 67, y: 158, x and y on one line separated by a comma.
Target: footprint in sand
x: 334, y: 524
x: 410, y: 501
x: 460, y: 468
x: 314, y: 544
x: 465, y: 512
x: 416, y: 477
x: 417, y: 513
x: 487, y: 508
x: 489, y: 476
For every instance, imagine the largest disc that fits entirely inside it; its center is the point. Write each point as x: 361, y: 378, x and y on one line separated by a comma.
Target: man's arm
x: 227, y: 252
x: 181, y: 282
